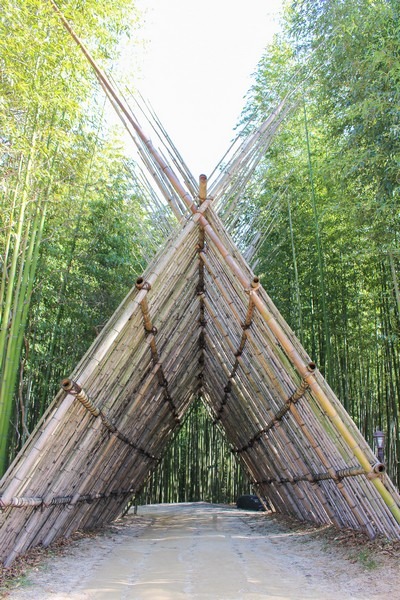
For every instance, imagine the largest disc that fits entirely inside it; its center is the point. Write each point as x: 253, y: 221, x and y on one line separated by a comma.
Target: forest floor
x: 205, y: 551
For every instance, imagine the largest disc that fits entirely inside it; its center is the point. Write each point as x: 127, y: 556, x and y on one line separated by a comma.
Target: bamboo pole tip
x: 67, y: 384
x: 141, y: 284
x: 255, y: 283
x: 203, y: 177
x: 311, y: 367
x: 379, y: 468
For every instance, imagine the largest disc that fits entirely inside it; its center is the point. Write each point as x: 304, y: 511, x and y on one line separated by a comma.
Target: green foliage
x: 49, y: 144
x: 330, y: 203
x: 197, y: 466
x: 366, y: 560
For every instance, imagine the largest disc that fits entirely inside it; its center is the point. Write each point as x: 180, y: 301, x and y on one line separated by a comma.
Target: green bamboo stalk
x: 326, y: 353
x: 21, y: 303
x: 4, y: 277
x: 16, y: 249
x: 296, y: 277
x: 7, y: 337
x: 32, y: 262
x: 395, y: 282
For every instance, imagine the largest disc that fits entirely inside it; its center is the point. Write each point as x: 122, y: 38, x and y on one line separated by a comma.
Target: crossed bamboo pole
x: 234, y: 267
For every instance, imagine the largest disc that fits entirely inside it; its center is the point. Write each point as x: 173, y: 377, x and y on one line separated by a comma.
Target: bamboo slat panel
x: 193, y: 329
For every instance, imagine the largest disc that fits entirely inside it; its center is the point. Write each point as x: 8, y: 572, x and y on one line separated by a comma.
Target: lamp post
x: 379, y: 439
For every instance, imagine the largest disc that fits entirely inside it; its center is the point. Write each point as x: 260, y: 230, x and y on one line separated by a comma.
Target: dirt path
x: 202, y: 551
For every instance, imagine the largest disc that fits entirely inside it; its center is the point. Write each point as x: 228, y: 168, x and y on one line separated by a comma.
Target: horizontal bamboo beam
x: 38, y: 501
x: 313, y: 477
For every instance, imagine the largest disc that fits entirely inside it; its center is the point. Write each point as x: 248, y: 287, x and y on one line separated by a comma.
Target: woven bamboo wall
x: 190, y: 328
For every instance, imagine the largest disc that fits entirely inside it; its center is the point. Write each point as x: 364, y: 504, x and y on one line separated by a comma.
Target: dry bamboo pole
x: 107, y: 86
x: 223, y: 331
x: 304, y: 469
x: 149, y: 327
x: 246, y: 147
x: 101, y: 456
x: 326, y: 462
x: 200, y: 287
x: 221, y: 288
x: 185, y: 334
x: 79, y: 457
x: 167, y: 304
x: 114, y: 392
x: 164, y: 137
x: 242, y: 420
x: 341, y: 473
x: 23, y: 536
x: 278, y: 462
x: 284, y: 446
x: 35, y: 501
x: 255, y: 284
x: 219, y: 326
x: 361, y: 488
x: 293, y: 503
x: 176, y: 280
x: 21, y: 471
x: 281, y: 456
x: 162, y: 442
x: 165, y: 189
x: 178, y: 367
x: 213, y: 384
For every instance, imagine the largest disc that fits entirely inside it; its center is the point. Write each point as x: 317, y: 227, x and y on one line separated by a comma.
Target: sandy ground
x: 203, y: 551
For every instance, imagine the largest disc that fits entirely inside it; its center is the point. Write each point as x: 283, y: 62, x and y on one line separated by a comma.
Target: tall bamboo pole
x: 321, y: 268
x: 6, y: 343
x: 108, y: 87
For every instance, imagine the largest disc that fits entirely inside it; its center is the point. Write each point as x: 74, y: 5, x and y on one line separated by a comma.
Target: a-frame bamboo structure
x: 196, y: 324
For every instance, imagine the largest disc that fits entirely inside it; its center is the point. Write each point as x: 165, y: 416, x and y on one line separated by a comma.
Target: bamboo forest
x: 318, y: 220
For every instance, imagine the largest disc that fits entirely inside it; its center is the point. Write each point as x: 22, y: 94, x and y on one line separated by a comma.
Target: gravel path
x: 202, y: 551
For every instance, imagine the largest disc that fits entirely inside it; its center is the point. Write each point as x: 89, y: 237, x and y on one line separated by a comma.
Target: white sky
x: 197, y: 67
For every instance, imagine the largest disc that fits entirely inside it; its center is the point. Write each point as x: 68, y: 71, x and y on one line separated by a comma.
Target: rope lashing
x: 297, y: 394
x: 151, y: 331
x: 20, y: 502
x: 255, y: 284
x: 313, y: 477
x: 75, y: 389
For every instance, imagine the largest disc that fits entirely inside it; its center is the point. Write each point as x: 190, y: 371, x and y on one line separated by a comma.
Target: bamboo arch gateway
x: 196, y: 324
